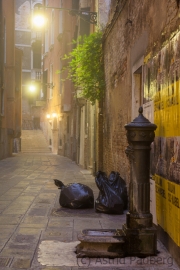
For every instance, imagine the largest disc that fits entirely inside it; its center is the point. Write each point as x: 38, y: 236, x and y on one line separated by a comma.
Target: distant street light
x: 39, y: 19
x: 32, y: 88
x: 54, y: 114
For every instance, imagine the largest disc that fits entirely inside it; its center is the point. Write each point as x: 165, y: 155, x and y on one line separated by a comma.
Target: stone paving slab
x: 37, y: 233
x: 10, y: 219
x: 21, y: 263
x: 54, y: 223
x: 17, y: 253
x: 63, y: 212
x: 5, y: 261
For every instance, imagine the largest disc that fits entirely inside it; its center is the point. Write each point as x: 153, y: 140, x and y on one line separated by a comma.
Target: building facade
x: 57, y: 116
x: 10, y: 82
x: 141, y: 57
x: 69, y: 122
x: 29, y: 40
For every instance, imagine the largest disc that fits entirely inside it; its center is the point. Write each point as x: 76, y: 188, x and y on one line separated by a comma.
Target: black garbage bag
x: 75, y: 195
x: 112, y: 197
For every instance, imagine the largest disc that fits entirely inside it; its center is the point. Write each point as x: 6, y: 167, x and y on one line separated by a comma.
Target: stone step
x: 35, y: 151
x: 33, y: 141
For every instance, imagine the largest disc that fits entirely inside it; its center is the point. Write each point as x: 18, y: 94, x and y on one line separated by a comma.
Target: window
x: 75, y: 37
x: 22, y: 37
x: 37, y: 54
x: 52, y: 27
x: 68, y: 124
x: 45, y: 75
x: 2, y: 101
x: 137, y: 97
x: 60, y: 19
x: 46, y: 41
x: 60, y: 22
x: 51, y: 81
x: 60, y: 77
x: 75, y: 4
x: 5, y: 41
x: 84, y: 25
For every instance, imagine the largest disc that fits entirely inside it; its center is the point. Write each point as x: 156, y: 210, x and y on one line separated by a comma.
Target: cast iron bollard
x: 140, y: 233
x: 138, y: 237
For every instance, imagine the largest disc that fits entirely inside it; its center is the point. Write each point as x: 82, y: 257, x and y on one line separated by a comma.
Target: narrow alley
x: 90, y: 87
x: 37, y: 233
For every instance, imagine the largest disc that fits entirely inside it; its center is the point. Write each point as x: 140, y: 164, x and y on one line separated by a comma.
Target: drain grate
x: 4, y: 261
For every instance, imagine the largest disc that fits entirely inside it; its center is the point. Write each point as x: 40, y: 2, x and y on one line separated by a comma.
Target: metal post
x: 139, y: 227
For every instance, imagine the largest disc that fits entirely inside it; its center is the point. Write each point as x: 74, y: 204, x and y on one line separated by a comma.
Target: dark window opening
x: 18, y: 76
x: 5, y: 41
x: 2, y: 101
x: 75, y: 36
x: 45, y: 73
x: 75, y: 4
x: 84, y: 25
x: 60, y: 77
x: 36, y: 60
x: 36, y: 47
x: 67, y: 124
x: 138, y: 82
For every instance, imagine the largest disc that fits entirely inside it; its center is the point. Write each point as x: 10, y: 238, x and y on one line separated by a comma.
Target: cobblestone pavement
x: 36, y: 233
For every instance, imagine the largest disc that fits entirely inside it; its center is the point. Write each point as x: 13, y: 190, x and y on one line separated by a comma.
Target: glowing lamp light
x: 54, y: 114
x: 48, y: 116
x: 32, y: 88
x: 39, y: 20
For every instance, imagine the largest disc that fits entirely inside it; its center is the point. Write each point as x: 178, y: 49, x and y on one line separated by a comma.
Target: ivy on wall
x: 85, y: 66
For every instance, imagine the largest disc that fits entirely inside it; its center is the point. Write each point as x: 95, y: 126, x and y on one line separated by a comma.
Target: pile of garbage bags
x: 75, y: 195
x: 112, y: 198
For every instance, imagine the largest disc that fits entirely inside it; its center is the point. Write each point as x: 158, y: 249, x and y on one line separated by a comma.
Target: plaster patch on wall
x: 22, y: 19
x: 104, y: 8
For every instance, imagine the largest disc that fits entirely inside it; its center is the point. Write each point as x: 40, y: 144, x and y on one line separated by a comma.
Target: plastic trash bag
x: 112, y: 197
x: 75, y: 195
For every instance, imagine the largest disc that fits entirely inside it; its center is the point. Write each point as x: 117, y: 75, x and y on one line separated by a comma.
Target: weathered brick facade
x: 133, y: 42
x: 135, y: 29
x: 10, y: 81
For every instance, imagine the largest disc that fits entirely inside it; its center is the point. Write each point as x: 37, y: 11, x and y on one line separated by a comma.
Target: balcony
x: 36, y: 75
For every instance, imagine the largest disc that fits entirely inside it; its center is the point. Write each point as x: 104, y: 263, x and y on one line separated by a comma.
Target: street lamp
x: 32, y: 88
x: 39, y: 18
x: 52, y: 115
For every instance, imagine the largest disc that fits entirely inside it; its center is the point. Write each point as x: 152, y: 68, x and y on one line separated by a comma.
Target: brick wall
x: 135, y: 29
